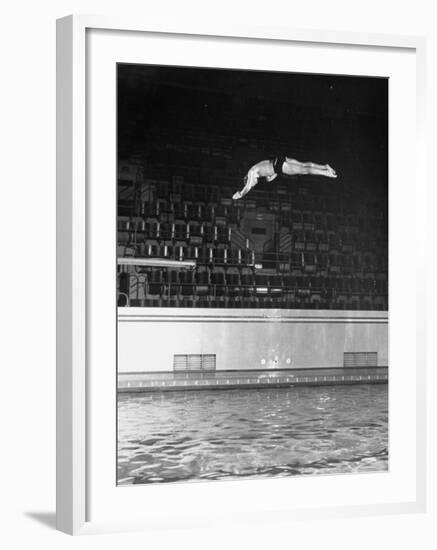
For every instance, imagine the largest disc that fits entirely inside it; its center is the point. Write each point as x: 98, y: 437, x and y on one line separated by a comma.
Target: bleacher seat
x: 149, y: 210
x: 233, y: 256
x: 190, y: 252
x: 152, y: 249
x: 222, y: 234
x: 220, y: 256
x: 204, y: 256
x: 201, y: 279
x: 179, y: 211
x: 246, y: 257
x: 171, y: 282
x: 165, y: 231
x: 309, y: 262
x: 296, y: 263
x: 151, y: 230
x: 247, y: 283
x: 193, y: 212
x: 233, y: 283
x: 180, y: 231
x: 154, y: 282
x: 218, y: 281
x: 208, y: 233
x: 187, y: 283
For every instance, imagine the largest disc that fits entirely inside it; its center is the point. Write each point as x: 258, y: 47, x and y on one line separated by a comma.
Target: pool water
x: 228, y: 434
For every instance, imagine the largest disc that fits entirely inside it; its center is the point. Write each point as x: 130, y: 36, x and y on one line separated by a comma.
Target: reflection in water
x: 181, y: 436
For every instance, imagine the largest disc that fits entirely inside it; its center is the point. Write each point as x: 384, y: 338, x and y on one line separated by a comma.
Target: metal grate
x: 194, y: 362
x: 360, y: 359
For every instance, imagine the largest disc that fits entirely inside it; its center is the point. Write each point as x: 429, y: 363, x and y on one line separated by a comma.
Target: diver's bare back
x: 270, y: 169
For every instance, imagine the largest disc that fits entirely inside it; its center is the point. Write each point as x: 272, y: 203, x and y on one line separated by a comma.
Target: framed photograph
x: 240, y: 275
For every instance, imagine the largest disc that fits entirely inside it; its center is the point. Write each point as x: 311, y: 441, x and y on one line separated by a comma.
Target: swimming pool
x: 229, y: 434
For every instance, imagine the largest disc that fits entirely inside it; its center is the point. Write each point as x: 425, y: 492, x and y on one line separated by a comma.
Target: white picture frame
x: 73, y: 339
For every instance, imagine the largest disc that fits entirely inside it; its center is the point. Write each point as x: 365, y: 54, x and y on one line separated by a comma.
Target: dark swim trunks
x: 277, y: 164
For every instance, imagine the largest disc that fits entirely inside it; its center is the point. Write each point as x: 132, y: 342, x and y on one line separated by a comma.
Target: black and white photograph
x: 218, y: 273
x: 252, y: 274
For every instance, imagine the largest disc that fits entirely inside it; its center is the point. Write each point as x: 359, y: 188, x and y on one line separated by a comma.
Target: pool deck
x: 251, y: 379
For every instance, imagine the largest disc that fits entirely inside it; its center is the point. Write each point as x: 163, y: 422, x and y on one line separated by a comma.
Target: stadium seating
x: 324, y: 248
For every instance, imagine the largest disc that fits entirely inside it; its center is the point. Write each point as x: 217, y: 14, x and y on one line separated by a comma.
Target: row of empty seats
x: 168, y: 240
x: 297, y: 211
x: 284, y: 302
x: 307, y: 262
x: 193, y: 232
x: 220, y: 255
x: 246, y: 283
x: 154, y: 229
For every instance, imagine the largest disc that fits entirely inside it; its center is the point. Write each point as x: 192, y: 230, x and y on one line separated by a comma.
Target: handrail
x: 267, y: 287
x: 321, y: 259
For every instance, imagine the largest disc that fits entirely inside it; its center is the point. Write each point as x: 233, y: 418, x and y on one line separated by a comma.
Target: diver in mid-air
x: 281, y: 165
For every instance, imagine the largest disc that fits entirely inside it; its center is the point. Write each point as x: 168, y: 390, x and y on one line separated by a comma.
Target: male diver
x: 279, y: 166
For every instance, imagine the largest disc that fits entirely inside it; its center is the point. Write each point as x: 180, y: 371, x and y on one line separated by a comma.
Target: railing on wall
x: 145, y: 289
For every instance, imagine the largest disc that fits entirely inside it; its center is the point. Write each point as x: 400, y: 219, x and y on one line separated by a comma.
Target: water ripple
x: 217, y: 434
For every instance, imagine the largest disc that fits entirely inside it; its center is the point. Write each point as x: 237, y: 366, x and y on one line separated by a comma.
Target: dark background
x: 340, y: 120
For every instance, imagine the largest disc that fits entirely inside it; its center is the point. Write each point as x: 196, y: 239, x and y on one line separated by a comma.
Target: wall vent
x: 360, y: 359
x: 194, y: 362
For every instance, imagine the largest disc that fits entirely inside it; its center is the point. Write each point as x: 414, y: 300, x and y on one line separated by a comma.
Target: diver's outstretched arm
x: 251, y: 180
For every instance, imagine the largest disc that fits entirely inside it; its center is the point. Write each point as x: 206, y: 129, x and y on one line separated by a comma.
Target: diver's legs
x: 293, y: 167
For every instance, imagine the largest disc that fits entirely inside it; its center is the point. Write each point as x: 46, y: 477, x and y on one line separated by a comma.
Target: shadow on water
x: 45, y: 518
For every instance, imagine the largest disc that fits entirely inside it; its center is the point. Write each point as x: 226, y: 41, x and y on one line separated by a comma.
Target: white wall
x: 27, y: 145
x: 250, y: 339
